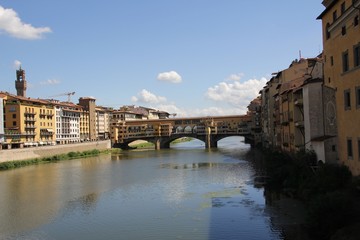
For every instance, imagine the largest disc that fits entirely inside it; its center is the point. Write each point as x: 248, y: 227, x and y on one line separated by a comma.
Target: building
x: 84, y: 125
x: 2, y: 132
x: 67, y: 122
x: 20, y: 83
x: 341, y: 44
x: 269, y: 113
x: 145, y: 113
x: 103, y: 115
x: 297, y: 109
x: 28, y: 122
x: 254, y: 111
x: 88, y: 104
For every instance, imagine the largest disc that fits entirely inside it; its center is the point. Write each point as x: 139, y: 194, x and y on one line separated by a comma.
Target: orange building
x: 341, y: 42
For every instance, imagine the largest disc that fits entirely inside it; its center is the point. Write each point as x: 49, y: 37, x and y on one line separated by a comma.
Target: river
x: 186, y: 192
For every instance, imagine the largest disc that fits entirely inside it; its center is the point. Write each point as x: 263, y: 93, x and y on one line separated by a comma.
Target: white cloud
x: 171, y: 76
x: 50, y: 82
x: 17, y: 64
x: 232, y: 98
x: 235, y: 77
x: 237, y: 94
x: 147, y: 97
x: 11, y: 24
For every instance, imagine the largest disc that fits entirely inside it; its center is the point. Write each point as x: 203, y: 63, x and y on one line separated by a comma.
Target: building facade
x: 20, y: 83
x: 28, y: 122
x: 89, y: 105
x: 67, y: 122
x: 296, y: 108
x: 103, y: 116
x: 341, y: 43
x: 84, y: 125
x: 2, y: 132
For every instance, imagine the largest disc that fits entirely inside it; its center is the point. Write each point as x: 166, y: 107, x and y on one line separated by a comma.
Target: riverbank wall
x: 47, y: 151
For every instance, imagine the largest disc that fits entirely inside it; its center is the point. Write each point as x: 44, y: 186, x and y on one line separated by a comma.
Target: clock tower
x: 20, y: 83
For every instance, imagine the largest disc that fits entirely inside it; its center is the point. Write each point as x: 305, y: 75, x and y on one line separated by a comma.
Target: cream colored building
x: 103, y: 116
x: 67, y: 122
x: 341, y: 43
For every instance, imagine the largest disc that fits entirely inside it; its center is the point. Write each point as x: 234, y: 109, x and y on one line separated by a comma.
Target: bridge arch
x: 165, y: 142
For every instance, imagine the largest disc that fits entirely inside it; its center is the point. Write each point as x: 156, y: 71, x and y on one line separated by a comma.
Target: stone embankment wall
x: 47, y: 151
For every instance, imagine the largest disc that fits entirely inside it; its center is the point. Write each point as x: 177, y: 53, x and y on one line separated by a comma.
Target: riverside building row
x: 315, y: 103
x: 26, y: 122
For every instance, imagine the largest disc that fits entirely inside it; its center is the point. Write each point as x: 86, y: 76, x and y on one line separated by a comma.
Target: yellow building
x: 28, y: 122
x: 297, y: 111
x: 289, y: 80
x: 84, y: 125
x: 341, y: 42
x: 88, y: 104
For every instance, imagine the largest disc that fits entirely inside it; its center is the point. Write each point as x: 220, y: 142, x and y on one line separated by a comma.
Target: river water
x: 186, y: 192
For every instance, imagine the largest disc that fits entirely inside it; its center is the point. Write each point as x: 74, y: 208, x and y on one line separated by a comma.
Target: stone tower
x: 88, y: 103
x: 20, y: 83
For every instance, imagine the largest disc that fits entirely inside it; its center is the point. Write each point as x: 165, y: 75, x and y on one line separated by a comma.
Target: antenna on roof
x: 299, y: 54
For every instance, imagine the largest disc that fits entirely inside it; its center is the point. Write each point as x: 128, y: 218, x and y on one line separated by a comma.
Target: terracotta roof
x: 28, y: 99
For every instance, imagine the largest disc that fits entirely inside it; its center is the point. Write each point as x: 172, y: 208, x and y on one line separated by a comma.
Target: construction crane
x: 69, y: 94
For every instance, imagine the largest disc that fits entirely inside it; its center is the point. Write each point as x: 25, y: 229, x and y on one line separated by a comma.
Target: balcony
x: 30, y: 119
x: 10, y: 134
x: 29, y: 113
x: 46, y: 115
x: 42, y: 133
x: 30, y: 127
x: 28, y: 133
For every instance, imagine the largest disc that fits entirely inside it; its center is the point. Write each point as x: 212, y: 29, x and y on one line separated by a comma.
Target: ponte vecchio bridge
x: 161, y: 132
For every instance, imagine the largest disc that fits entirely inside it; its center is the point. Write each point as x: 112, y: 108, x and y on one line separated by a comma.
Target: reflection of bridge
x: 162, y: 132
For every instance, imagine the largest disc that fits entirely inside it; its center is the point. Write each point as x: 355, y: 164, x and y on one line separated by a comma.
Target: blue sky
x: 190, y: 57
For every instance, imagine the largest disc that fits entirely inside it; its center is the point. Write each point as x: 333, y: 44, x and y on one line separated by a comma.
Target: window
x: 343, y: 8
x: 328, y: 31
x: 14, y: 123
x: 343, y: 30
x: 357, y: 92
x: 357, y: 55
x: 356, y: 21
x: 345, y: 58
x: 347, y: 99
x: 358, y: 145
x: 14, y: 115
x: 332, y: 61
x: 349, y: 148
x: 334, y: 16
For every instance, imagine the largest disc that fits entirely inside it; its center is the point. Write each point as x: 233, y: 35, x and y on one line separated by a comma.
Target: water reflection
x: 180, y: 193
x: 190, y: 165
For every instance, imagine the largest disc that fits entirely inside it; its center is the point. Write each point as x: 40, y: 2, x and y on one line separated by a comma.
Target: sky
x: 186, y: 57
